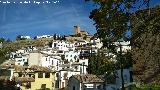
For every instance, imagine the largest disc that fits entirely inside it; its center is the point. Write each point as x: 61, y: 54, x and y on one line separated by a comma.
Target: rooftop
x: 24, y: 79
x: 88, y: 78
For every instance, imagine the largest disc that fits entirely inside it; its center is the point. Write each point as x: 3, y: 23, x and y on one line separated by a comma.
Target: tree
x: 77, y: 35
x: 112, y: 20
x: 85, y: 37
x: 99, y: 63
x: 8, y: 40
x: 63, y: 37
x: 2, y: 39
x: 18, y: 37
x: 145, y: 43
x: 55, y: 36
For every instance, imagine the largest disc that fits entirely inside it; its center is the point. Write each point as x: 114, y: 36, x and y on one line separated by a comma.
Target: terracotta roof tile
x: 88, y: 78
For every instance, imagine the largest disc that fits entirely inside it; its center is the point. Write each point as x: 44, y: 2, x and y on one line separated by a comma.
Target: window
x: 74, y: 88
x: 20, y: 74
x: 46, y: 59
x: 40, y: 75
x: 25, y: 64
x: 33, y: 76
x: 75, y: 57
x: 65, y: 76
x: 43, y: 86
x: 71, y: 60
x: 76, y: 67
x: 57, y: 75
x: 57, y: 63
x: 55, y: 44
x: 52, y: 62
x: 52, y: 84
x: 30, y: 75
x: 62, y: 84
x: 28, y: 85
x: 47, y: 75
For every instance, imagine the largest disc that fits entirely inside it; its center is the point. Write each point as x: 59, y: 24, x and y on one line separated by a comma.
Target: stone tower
x: 77, y: 29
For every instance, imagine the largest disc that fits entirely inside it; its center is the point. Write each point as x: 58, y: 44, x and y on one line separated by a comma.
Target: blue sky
x: 33, y: 19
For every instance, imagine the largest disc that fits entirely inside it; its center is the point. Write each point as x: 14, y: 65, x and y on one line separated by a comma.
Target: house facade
x: 85, y: 82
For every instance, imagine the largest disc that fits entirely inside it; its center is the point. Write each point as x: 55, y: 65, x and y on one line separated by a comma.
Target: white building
x: 80, y: 43
x: 83, y: 66
x: 21, y: 56
x: 85, y: 82
x: 48, y: 51
x: 52, y: 62
x: 34, y: 58
x: 26, y: 37
x: 96, y: 43
x: 21, y: 60
x: 20, y: 51
x: 125, y: 45
x: 70, y: 69
x: 71, y: 56
x: 44, y: 36
x: 63, y: 46
x: 64, y: 76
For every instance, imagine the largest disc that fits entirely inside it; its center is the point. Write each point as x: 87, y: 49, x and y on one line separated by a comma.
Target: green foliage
x: 100, y: 63
x: 55, y: 36
x: 145, y: 44
x: 2, y: 56
x: 2, y: 39
x: 77, y: 35
x: 85, y: 37
x: 113, y: 18
x: 126, y: 60
x: 63, y: 37
x: 9, y: 85
x: 147, y: 87
x: 144, y: 22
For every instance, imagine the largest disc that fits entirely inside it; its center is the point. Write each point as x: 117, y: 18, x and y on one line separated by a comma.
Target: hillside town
x: 61, y: 65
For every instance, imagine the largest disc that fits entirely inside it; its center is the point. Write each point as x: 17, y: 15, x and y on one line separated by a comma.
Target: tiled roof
x: 24, y: 79
x: 40, y: 68
x: 19, y: 69
x: 88, y: 78
x: 7, y: 64
x: 11, y: 65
